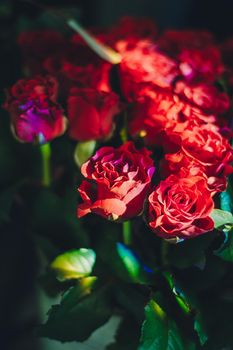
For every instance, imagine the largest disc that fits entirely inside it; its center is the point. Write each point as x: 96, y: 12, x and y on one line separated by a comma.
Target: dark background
x: 17, y: 254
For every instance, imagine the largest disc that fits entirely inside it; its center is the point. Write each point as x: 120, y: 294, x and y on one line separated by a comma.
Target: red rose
x: 78, y: 64
x: 206, y: 97
x: 38, y: 87
x: 118, y: 181
x: 157, y: 113
x: 180, y: 207
x: 144, y: 63
x: 203, y: 65
x: 91, y: 114
x: 207, y: 147
x: 35, y: 115
x: 206, y: 150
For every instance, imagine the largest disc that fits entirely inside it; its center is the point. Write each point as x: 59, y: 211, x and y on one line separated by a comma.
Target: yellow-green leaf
x: 84, y: 151
x: 74, y: 264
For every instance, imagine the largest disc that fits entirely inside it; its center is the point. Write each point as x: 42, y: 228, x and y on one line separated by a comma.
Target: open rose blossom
x: 35, y: 114
x: 143, y: 62
x: 203, y: 148
x: 118, y: 181
x: 158, y: 114
x: 180, y: 207
x: 91, y: 114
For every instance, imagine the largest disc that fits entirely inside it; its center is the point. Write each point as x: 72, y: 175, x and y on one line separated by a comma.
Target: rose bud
x: 35, y: 115
x: 180, y: 207
x: 91, y: 114
x: 118, y: 181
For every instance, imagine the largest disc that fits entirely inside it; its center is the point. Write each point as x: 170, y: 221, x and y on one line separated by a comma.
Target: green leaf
x: 226, y: 197
x: 191, y: 252
x: 132, y: 300
x: 80, y: 313
x: 159, y: 332
x: 127, y: 335
x: 226, y: 250
x: 73, y: 264
x: 133, y: 266
x: 84, y: 151
x: 188, y: 303
x: 221, y: 218
x: 200, y: 328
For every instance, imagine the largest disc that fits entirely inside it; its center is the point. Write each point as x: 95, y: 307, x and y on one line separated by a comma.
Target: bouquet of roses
x: 139, y: 122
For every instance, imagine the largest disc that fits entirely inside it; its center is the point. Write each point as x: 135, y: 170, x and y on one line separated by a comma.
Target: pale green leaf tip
x: 83, y: 151
x: 73, y: 264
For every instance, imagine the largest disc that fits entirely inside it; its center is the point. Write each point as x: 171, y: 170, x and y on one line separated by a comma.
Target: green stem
x: 164, y: 253
x: 127, y: 237
x: 46, y: 169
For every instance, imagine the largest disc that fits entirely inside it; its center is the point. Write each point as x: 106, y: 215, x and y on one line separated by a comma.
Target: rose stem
x: 46, y: 169
x: 127, y: 238
x: 164, y: 253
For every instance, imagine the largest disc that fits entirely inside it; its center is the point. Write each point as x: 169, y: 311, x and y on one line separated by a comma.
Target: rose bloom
x: 208, y: 147
x: 158, y: 114
x: 78, y: 65
x: 142, y: 62
x: 202, y: 148
x: 91, y: 114
x: 206, y: 97
x: 203, y: 65
x: 118, y: 181
x: 35, y: 115
x: 180, y: 206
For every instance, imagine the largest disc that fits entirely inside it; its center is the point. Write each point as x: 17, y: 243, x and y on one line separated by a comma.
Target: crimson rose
x: 143, y: 62
x: 203, y: 148
x: 180, y: 207
x: 119, y: 180
x: 160, y: 116
x: 91, y: 114
x: 35, y: 115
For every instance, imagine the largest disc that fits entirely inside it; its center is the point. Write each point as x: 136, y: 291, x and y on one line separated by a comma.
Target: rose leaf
x: 226, y: 250
x: 137, y: 272
x: 74, y: 264
x: 80, y: 312
x: 84, y: 151
x: 159, y: 332
x: 221, y: 218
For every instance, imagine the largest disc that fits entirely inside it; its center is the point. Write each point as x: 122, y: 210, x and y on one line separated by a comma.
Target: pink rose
x: 35, y: 114
x: 118, y: 181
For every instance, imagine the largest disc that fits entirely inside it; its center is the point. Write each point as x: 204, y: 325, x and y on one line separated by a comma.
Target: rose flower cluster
x: 171, y: 93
